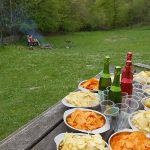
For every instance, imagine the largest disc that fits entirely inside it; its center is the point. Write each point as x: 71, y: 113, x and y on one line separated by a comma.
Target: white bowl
x: 132, y: 126
x: 143, y: 100
x: 95, y: 91
x: 124, y: 130
x: 84, y: 89
x: 58, y: 139
x: 103, y: 129
x: 64, y: 101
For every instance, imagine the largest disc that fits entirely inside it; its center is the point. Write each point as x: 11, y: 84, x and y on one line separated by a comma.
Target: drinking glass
x: 124, y: 96
x: 122, y: 107
x: 105, y: 105
x: 108, y: 88
x: 135, y: 90
x: 141, y: 95
x: 136, y: 96
x: 112, y: 113
x: 133, y: 105
x: 106, y: 92
x: 137, y: 85
x: 121, y: 121
x: 102, y: 96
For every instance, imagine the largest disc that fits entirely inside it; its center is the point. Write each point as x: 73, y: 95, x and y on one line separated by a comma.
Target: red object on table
x: 129, y: 57
x: 127, y: 78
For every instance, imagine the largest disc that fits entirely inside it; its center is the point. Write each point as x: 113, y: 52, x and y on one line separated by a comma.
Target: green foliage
x: 73, y: 15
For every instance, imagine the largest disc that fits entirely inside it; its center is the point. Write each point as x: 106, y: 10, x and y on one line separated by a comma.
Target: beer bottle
x: 115, y: 93
x: 105, y: 78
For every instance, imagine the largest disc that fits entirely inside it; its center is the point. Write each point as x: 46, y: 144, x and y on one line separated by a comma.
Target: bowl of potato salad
x: 78, y: 141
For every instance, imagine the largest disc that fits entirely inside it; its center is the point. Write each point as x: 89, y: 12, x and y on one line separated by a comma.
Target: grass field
x: 33, y: 80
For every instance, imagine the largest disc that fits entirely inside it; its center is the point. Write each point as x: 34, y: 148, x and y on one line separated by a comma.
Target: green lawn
x: 33, y: 80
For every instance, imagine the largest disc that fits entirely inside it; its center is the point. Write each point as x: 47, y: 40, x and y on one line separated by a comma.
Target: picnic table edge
x: 27, y: 135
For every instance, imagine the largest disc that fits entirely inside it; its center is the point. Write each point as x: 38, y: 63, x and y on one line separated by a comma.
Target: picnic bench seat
x: 39, y: 133
x: 142, y: 65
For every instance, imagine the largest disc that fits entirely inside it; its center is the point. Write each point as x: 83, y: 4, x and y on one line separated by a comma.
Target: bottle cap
x: 107, y: 58
x: 129, y: 55
x: 128, y: 63
x: 118, y: 69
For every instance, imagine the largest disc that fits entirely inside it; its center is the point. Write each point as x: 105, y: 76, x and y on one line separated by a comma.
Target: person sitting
x: 32, y: 41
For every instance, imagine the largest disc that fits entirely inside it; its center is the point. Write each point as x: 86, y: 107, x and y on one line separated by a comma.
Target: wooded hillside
x: 71, y: 15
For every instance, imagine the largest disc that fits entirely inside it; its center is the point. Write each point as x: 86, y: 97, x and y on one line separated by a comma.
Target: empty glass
x: 105, y: 105
x: 136, y: 97
x: 137, y: 85
x: 141, y: 95
x: 121, y: 121
x: 108, y: 88
x: 135, y: 90
x: 124, y: 96
x: 133, y: 105
x: 122, y: 107
x: 102, y: 96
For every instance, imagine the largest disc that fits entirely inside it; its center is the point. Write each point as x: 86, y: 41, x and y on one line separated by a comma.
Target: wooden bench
x: 140, y: 65
x: 39, y: 133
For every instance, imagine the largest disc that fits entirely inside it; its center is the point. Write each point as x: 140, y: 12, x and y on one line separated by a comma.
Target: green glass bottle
x: 115, y: 90
x: 105, y: 79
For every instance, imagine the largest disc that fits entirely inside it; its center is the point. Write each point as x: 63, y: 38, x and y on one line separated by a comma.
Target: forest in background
x: 22, y: 16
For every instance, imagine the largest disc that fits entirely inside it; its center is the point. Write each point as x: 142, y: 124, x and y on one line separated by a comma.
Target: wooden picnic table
x: 39, y: 133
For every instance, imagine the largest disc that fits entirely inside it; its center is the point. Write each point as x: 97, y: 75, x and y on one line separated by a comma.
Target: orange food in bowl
x: 130, y: 141
x: 85, y: 120
x: 91, y: 84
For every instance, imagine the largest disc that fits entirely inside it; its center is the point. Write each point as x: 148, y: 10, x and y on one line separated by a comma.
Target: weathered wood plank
x: 48, y: 142
x: 142, y: 65
x: 31, y: 133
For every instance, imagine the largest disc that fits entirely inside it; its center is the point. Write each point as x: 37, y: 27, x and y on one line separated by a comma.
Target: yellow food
x: 85, y: 120
x: 147, y: 103
x: 147, y: 90
x: 130, y: 141
x: 80, y: 98
x: 141, y: 120
x: 143, y: 77
x: 82, y: 142
x: 91, y: 84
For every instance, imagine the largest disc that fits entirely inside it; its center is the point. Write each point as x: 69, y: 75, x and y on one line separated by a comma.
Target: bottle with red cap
x: 129, y: 57
x: 127, y: 78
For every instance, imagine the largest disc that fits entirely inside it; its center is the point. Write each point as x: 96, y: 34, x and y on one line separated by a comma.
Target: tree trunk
x: 11, y: 13
x: 1, y: 35
x: 115, y: 14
